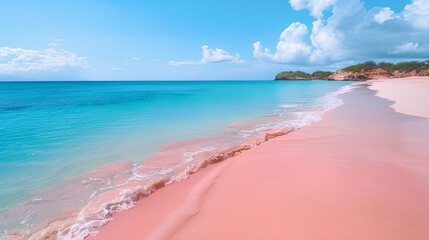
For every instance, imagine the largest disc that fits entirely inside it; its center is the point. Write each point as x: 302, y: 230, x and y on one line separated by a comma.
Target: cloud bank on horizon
x: 53, y: 58
x: 350, y: 33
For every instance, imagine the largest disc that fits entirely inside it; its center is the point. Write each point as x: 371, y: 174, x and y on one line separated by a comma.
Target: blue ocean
x: 64, y: 144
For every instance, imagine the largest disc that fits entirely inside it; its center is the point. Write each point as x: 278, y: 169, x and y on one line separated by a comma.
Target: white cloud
x: 325, y: 42
x: 316, y: 7
x: 407, y: 48
x: 211, y: 56
x: 384, y: 15
x: 51, y: 59
x: 136, y: 58
x: 353, y: 33
x: 290, y: 48
x: 117, y: 69
x: 417, y: 13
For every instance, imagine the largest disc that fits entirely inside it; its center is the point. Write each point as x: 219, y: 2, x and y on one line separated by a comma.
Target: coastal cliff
x: 364, y: 71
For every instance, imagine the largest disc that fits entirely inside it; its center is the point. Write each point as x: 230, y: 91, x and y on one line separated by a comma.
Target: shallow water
x: 55, y: 136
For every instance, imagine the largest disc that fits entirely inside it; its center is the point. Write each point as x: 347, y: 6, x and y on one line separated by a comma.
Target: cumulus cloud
x: 384, y: 15
x: 316, y: 7
x: 210, y: 56
x: 417, y: 13
x: 136, y: 58
x: 54, y: 58
x: 353, y: 33
x: 117, y: 69
x: 290, y: 47
x: 407, y: 48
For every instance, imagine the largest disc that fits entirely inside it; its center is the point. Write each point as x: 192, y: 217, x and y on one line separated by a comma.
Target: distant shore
x: 360, y: 173
x: 363, y: 71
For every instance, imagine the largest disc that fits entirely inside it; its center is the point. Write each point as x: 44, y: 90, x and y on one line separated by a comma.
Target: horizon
x: 170, y: 41
x: 195, y: 80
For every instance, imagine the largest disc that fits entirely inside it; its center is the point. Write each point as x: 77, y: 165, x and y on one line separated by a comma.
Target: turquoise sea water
x: 51, y: 132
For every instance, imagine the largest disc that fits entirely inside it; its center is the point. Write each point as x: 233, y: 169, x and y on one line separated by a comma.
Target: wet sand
x: 360, y: 173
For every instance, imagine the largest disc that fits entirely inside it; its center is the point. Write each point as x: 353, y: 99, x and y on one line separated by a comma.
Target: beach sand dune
x: 360, y: 173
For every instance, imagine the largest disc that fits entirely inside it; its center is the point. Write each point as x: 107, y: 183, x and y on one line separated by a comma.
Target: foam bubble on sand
x: 190, y: 156
x: 324, y: 104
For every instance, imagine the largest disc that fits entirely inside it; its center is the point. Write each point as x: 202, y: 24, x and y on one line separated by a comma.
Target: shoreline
x: 188, y: 208
x: 77, y: 223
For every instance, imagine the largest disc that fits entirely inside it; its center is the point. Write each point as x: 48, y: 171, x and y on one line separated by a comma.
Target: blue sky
x: 203, y: 40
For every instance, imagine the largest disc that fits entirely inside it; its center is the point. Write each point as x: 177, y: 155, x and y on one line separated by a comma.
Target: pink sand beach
x: 360, y: 173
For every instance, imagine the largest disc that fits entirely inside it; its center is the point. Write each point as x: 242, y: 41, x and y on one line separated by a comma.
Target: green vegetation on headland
x: 293, y: 74
x: 298, y: 75
x: 321, y: 74
x: 402, y: 66
x: 363, y: 71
